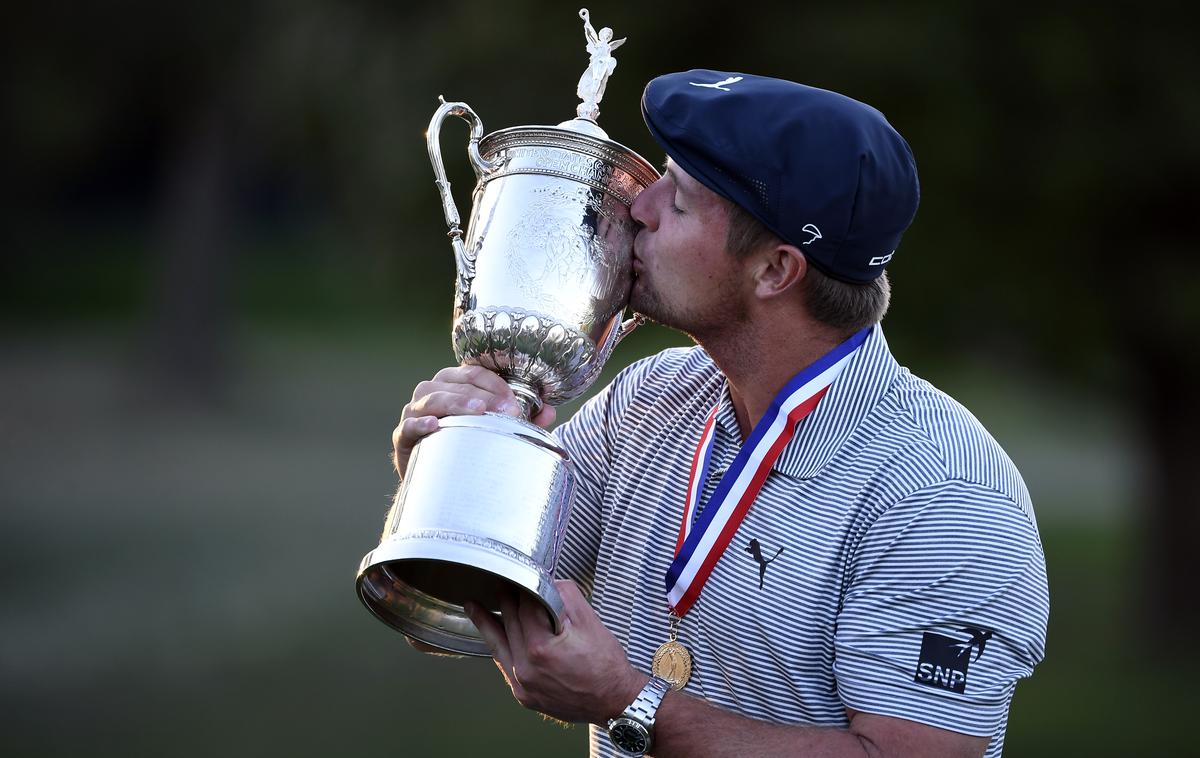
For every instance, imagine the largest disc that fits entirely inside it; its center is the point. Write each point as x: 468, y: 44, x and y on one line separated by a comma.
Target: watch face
x: 630, y: 736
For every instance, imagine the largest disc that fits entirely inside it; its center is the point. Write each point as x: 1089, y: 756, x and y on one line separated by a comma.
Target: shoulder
x: 673, y: 361
x: 670, y: 375
x: 646, y: 392
x: 942, y: 439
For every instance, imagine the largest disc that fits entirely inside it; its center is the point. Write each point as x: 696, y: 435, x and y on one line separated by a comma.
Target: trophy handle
x: 628, y: 325
x: 464, y: 261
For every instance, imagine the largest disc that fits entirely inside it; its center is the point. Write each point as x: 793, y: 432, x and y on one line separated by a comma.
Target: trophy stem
x: 527, y: 396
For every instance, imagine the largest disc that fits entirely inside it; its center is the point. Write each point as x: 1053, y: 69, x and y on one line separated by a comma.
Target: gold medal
x: 672, y: 661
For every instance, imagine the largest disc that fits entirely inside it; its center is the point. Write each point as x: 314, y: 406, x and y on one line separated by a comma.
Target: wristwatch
x: 633, y: 731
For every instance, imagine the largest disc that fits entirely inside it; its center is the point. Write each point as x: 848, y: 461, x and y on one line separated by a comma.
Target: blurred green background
x: 224, y: 268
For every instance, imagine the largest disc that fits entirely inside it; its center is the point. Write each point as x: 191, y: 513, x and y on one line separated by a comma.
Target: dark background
x: 224, y: 268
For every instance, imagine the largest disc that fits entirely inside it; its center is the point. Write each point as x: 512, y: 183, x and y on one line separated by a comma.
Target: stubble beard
x: 646, y: 300
x: 697, y: 323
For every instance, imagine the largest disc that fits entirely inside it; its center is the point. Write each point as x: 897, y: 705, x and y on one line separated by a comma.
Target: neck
x: 758, y: 364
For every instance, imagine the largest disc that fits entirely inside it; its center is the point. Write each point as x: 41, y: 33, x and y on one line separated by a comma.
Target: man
x: 824, y: 553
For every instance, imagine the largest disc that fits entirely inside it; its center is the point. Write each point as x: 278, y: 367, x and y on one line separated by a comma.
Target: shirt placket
x: 723, y: 453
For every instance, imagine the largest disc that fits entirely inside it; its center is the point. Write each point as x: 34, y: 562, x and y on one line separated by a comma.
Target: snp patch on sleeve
x: 944, y: 661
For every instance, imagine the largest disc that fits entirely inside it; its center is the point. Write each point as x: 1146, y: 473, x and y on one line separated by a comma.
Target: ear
x: 778, y: 270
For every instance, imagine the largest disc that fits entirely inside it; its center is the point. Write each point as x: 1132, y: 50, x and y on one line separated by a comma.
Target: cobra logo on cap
x: 814, y: 231
x: 719, y: 85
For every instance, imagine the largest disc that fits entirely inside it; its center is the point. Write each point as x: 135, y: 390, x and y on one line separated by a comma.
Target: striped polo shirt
x: 891, y: 562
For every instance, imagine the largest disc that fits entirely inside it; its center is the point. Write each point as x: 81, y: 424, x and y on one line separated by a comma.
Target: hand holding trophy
x: 544, y: 274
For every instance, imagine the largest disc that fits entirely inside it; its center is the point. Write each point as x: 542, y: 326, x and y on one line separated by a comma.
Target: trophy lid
x: 584, y: 126
x: 581, y: 134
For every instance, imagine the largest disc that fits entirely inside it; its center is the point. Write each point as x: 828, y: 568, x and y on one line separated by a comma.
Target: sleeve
x: 945, y: 608
x: 591, y: 437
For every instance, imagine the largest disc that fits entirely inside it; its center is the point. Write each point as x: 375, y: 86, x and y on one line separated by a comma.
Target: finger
x: 410, y: 430
x: 545, y: 417
x: 494, y: 635
x: 535, y: 620
x: 406, y: 435
x: 568, y: 588
x: 477, y: 376
x: 500, y: 396
x: 492, y: 632
x: 510, y: 618
x: 575, y: 605
x: 437, y: 399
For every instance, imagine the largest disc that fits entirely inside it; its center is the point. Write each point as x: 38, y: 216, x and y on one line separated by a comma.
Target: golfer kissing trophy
x: 544, y: 275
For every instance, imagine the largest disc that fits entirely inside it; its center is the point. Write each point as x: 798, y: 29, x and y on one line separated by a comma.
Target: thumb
x: 545, y: 417
x: 575, y: 605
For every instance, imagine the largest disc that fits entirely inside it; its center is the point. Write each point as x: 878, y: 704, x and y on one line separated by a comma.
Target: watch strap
x: 645, y: 705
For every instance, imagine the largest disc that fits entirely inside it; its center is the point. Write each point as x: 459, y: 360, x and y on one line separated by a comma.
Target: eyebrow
x: 674, y: 175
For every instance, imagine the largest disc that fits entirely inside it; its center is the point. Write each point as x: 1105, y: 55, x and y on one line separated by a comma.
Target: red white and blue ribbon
x: 700, y: 545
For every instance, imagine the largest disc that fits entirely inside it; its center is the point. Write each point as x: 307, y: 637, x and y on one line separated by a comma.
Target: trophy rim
x: 432, y: 619
x: 506, y: 425
x: 608, y: 150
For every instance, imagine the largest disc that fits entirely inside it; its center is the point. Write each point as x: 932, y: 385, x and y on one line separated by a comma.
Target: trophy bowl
x: 550, y: 241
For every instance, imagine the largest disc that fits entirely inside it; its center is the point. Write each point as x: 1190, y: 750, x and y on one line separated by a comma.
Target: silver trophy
x: 544, y: 275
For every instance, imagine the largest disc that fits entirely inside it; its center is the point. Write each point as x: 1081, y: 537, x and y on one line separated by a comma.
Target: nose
x: 643, y: 206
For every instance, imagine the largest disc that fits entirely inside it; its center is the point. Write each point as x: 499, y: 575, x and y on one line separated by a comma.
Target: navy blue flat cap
x: 825, y: 173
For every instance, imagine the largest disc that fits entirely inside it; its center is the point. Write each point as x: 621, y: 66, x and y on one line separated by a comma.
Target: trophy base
x: 423, y: 597
x: 479, y: 518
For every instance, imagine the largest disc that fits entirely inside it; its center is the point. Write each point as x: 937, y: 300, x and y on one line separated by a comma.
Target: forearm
x: 581, y: 674
x: 687, y: 727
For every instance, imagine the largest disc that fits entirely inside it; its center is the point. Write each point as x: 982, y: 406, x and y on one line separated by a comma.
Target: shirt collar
x: 849, y: 399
